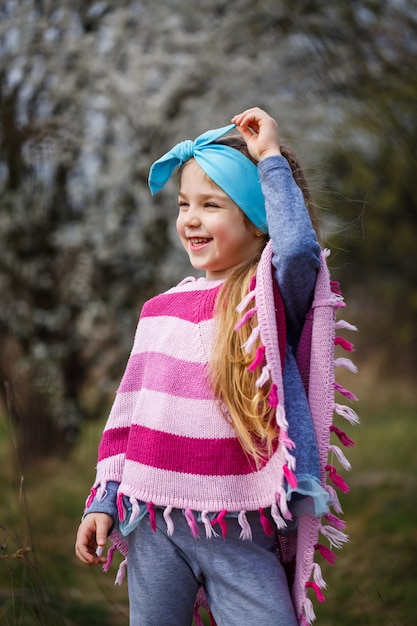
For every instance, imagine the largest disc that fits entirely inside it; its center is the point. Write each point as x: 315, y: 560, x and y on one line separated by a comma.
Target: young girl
x: 209, y: 456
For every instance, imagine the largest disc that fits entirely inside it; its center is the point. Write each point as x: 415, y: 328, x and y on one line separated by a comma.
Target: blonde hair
x: 243, y: 403
x: 252, y: 418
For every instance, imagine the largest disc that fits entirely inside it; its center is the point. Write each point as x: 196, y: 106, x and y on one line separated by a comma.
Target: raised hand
x: 260, y: 131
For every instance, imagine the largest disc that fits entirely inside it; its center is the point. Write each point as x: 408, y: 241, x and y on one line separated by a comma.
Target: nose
x: 192, y: 216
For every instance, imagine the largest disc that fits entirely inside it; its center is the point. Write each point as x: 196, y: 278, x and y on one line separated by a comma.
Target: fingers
x: 260, y: 131
x: 85, y: 551
x: 92, y: 537
x: 246, y: 132
x: 253, y: 119
x: 103, y: 524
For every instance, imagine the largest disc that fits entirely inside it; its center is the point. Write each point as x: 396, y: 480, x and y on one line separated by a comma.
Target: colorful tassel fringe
x: 191, y: 521
x: 342, y: 436
x: 120, y: 508
x: 319, y: 594
x: 326, y: 553
x: 168, y: 520
x: 266, y: 524
x: 221, y: 522
x: 152, y: 518
x: 337, y: 479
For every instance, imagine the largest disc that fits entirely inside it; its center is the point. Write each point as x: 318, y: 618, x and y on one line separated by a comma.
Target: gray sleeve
x: 296, y: 251
x: 296, y: 260
x: 107, y: 504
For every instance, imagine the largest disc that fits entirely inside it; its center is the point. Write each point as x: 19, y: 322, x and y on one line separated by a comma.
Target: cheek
x: 234, y: 234
x: 179, y: 224
x: 224, y: 231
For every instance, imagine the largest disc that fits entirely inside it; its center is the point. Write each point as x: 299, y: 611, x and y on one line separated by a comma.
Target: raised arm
x: 296, y: 251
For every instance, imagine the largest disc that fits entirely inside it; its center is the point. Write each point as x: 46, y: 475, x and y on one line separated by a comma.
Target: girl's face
x: 212, y: 228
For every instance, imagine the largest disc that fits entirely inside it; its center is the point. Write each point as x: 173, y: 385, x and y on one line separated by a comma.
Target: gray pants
x: 244, y: 581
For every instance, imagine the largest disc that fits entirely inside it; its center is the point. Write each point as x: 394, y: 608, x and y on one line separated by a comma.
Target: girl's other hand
x: 92, y: 537
x: 260, y: 131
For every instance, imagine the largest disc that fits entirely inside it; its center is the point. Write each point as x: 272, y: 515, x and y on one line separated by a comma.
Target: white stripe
x: 154, y: 334
x: 122, y: 410
x: 178, y: 416
x: 181, y: 416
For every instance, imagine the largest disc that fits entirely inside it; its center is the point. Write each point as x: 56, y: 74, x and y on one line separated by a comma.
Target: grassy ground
x: 375, y: 580
x: 49, y: 586
x: 373, y: 584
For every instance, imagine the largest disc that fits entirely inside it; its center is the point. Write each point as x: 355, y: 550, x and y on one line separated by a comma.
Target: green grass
x: 375, y: 579
x: 49, y: 586
x: 373, y: 583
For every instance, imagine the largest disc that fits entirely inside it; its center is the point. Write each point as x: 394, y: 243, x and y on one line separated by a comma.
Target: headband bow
x: 228, y: 168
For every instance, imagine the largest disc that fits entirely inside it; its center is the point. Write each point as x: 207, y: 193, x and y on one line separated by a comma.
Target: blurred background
x: 91, y: 92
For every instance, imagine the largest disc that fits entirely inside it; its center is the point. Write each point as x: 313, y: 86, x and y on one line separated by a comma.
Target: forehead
x: 191, y: 176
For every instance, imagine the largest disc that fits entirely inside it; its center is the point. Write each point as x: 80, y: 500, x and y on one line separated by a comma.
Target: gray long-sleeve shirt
x: 296, y: 261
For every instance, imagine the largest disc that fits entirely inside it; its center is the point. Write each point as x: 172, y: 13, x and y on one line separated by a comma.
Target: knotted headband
x: 228, y: 168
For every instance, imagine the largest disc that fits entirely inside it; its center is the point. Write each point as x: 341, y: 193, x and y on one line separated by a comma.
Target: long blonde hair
x: 247, y: 406
x: 252, y: 418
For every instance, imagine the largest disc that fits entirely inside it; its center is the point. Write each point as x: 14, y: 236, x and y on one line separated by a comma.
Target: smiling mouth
x: 198, y: 241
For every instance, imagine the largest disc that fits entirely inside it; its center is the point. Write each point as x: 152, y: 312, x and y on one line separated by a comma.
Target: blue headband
x: 228, y: 168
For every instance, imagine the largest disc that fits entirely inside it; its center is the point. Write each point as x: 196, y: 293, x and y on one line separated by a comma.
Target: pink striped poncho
x: 168, y: 444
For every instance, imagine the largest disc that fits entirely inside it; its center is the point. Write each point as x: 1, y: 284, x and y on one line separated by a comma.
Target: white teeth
x: 198, y: 242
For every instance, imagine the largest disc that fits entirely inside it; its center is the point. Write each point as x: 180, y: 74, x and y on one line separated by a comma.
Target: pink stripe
x: 159, y: 372
x: 193, y: 306
x: 113, y: 441
x: 207, y: 457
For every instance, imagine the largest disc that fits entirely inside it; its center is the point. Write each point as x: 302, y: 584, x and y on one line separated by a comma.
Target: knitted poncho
x: 194, y: 461
x: 316, y: 361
